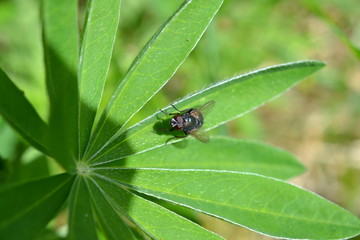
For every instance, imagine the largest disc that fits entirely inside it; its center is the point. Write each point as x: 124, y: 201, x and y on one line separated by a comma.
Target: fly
x: 190, y: 121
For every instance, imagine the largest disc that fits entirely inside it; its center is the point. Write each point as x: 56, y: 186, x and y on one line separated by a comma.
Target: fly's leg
x: 179, y: 111
x: 172, y: 114
x: 182, y: 111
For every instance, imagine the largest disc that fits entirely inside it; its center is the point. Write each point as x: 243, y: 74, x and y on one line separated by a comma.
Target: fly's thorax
x: 193, y: 121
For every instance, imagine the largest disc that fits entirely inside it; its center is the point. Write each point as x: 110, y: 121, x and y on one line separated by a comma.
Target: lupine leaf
x: 27, y: 208
x: 21, y: 115
x: 154, y: 66
x: 81, y: 216
x: 97, y: 45
x: 60, y: 39
x: 233, y: 97
x: 263, y: 204
x: 221, y: 153
x: 154, y: 220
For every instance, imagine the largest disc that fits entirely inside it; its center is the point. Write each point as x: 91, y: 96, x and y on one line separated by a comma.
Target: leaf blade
x: 240, y: 156
x: 110, y: 221
x: 156, y: 221
x: 30, y: 206
x: 60, y: 40
x: 248, y: 91
x: 81, y: 218
x: 19, y: 112
x: 264, y: 204
x: 158, y: 61
x: 97, y: 45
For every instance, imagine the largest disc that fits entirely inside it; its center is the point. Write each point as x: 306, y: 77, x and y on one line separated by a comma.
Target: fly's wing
x: 201, y: 136
x: 206, y: 108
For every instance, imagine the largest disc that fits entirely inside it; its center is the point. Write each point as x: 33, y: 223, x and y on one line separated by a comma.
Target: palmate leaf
x: 26, y: 209
x: 221, y: 153
x: 263, y: 204
x: 233, y: 97
x: 107, y: 194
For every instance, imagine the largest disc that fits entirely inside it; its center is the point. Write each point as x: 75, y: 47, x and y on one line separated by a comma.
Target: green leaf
x: 29, y: 168
x: 240, y: 156
x: 154, y: 220
x: 233, y: 97
x: 60, y: 38
x: 263, y: 204
x: 109, y: 218
x: 27, y: 208
x: 81, y: 217
x: 154, y: 66
x: 22, y: 116
x: 100, y: 31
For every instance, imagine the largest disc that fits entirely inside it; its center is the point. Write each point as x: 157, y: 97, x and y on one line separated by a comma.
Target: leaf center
x: 83, y: 169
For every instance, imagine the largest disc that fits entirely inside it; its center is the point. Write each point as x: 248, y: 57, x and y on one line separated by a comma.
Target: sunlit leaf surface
x: 233, y: 97
x: 156, y: 221
x: 221, y: 153
x: 154, y: 66
x: 263, y: 204
x: 81, y: 218
x: 97, y: 45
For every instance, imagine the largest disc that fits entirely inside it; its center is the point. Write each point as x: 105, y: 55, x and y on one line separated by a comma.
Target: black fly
x: 190, y: 121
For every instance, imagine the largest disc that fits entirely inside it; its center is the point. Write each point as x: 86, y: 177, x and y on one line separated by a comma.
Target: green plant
x: 116, y: 172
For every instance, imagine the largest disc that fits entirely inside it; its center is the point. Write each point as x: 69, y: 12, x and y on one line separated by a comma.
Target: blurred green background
x: 318, y: 120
